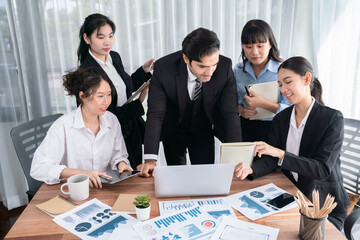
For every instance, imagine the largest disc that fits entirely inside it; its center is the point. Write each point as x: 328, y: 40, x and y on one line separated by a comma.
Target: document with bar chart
x: 216, y: 207
x: 192, y: 223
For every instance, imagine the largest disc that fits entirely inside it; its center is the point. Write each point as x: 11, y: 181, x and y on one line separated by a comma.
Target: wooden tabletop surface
x: 35, y: 224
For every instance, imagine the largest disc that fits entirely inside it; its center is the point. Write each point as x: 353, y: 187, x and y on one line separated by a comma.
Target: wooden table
x: 35, y: 224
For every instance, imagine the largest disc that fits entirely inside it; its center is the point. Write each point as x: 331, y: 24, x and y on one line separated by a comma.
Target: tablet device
x: 116, y: 177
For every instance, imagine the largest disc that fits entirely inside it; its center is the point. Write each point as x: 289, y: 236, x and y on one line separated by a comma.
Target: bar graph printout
x: 93, y: 220
x: 253, y: 203
x: 192, y: 223
x: 216, y: 207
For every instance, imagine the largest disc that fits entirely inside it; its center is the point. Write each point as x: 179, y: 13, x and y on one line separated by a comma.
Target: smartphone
x: 282, y: 200
x: 116, y: 177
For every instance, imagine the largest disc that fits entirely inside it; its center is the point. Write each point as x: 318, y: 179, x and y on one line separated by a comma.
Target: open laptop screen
x: 193, y: 180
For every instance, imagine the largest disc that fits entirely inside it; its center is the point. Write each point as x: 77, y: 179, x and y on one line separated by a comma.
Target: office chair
x: 26, y: 137
x: 350, y: 168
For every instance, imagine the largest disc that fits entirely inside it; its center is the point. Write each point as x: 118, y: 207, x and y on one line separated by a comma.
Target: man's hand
x: 147, y: 168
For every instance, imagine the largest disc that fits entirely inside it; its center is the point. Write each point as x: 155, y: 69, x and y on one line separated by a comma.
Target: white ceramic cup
x: 78, y: 187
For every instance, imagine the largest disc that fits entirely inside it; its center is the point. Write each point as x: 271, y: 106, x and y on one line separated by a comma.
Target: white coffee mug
x: 78, y: 187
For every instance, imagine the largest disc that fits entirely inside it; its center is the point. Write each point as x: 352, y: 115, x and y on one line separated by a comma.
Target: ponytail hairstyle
x: 301, y: 66
x: 259, y: 31
x: 86, y: 80
x: 92, y: 23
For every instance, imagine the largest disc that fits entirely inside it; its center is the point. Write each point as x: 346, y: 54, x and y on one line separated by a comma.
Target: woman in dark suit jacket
x: 305, y: 140
x: 96, y: 40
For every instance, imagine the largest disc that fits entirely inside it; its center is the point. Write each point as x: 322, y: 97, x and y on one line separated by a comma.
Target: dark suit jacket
x: 318, y: 163
x: 130, y: 110
x: 168, y: 97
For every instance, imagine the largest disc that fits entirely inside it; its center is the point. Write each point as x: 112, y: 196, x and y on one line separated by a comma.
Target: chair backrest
x: 350, y: 155
x: 26, y: 137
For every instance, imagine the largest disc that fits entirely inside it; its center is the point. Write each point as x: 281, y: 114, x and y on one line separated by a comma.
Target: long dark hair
x: 92, y: 22
x: 259, y: 31
x: 301, y: 66
x: 86, y: 80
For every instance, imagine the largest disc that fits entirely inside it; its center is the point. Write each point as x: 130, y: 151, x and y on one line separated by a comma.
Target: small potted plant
x: 142, y: 207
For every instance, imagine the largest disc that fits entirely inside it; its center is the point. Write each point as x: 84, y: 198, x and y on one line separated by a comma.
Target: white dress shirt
x: 69, y: 144
x: 295, y: 134
x: 191, y: 83
x: 114, y: 76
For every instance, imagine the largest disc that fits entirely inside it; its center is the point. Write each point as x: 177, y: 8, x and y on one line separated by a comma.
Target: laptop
x: 193, y: 180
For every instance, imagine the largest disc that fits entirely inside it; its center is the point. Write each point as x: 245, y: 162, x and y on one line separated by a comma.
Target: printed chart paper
x: 192, y: 223
x: 230, y: 229
x: 93, y: 220
x: 216, y: 207
x: 252, y: 203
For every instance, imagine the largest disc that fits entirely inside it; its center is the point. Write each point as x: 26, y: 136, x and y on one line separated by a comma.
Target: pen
x: 247, y: 91
x: 67, y: 200
x: 150, y: 66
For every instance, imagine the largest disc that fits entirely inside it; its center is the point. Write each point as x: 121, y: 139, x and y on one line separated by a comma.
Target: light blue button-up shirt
x: 269, y: 74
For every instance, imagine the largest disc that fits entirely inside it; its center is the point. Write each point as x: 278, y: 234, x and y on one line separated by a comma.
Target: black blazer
x: 168, y: 97
x: 318, y: 163
x: 132, y: 83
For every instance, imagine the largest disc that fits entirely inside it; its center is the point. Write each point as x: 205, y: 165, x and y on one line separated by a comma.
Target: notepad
x: 56, y: 206
x: 270, y: 92
x: 124, y: 204
x: 237, y: 152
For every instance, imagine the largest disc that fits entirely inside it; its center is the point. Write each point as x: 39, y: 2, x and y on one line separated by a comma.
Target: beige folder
x: 270, y: 92
x: 237, y: 152
x: 124, y: 203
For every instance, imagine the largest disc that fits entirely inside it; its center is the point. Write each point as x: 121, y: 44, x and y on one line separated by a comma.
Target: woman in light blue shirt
x: 260, y: 62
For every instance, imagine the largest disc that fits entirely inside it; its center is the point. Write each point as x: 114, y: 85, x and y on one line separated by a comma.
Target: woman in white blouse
x: 88, y: 140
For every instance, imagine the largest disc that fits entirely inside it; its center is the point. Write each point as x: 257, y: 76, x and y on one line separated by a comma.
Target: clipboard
x: 137, y: 93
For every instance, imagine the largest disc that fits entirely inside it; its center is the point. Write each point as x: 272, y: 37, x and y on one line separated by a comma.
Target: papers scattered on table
x: 252, y: 203
x: 192, y: 223
x: 270, y: 92
x: 56, y: 206
x: 237, y: 152
x: 93, y: 219
x: 216, y: 207
x: 230, y: 229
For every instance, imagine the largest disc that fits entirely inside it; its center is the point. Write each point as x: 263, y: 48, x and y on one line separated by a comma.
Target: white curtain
x: 39, y: 40
x: 336, y: 38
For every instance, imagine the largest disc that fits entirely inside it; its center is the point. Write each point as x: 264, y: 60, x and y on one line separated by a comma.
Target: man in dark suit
x: 192, y: 97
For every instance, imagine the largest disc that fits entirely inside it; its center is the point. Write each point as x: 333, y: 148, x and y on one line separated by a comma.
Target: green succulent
x: 142, y: 201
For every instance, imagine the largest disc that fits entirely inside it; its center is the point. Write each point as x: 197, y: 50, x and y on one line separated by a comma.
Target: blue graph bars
x: 165, y: 222
x: 211, y: 202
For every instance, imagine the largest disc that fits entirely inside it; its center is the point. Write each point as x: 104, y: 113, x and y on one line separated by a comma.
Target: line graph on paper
x: 172, y: 206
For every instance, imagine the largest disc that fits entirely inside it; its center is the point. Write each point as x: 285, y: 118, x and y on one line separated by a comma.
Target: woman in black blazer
x: 305, y: 140
x: 96, y: 40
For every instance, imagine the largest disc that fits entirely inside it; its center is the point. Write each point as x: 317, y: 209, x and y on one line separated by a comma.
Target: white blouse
x: 295, y: 134
x: 114, y: 76
x: 69, y: 144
